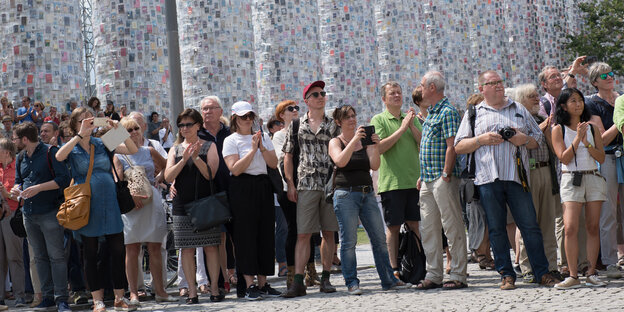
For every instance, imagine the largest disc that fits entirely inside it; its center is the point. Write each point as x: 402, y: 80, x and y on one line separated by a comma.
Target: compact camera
x: 507, y: 133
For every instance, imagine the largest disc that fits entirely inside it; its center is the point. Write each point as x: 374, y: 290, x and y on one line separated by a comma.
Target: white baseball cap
x: 241, y: 108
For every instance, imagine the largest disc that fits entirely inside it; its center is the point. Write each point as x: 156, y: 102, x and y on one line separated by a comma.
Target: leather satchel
x: 210, y: 211
x: 138, y: 183
x: 74, y: 211
x: 17, y: 223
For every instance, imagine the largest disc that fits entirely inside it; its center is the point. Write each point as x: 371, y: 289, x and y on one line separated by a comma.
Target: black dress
x: 184, y: 236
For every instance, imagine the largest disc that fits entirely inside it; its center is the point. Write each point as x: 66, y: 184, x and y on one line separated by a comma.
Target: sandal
x: 204, y: 289
x: 233, y: 279
x: 283, y: 270
x: 485, y: 263
x: 427, y: 284
x: 454, y: 285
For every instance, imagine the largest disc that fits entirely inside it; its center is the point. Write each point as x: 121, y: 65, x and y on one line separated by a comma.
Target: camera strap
x: 524, y: 180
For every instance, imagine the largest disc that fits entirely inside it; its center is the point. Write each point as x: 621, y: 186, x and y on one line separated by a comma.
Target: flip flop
x: 427, y: 284
x: 283, y: 271
x: 454, y: 285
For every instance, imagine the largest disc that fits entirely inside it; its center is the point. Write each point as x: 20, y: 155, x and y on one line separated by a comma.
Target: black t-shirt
x: 222, y: 178
x: 601, y: 108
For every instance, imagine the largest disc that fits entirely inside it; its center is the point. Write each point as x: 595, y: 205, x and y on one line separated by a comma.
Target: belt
x: 358, y: 188
x: 594, y: 172
x: 541, y: 164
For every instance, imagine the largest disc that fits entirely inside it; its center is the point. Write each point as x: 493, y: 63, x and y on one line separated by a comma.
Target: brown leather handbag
x: 74, y: 212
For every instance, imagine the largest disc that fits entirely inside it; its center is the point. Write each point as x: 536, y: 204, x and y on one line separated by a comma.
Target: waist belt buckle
x: 366, y: 189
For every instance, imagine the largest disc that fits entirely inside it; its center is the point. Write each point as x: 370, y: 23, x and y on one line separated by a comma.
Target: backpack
x: 411, y: 257
x: 469, y: 190
x: 295, y: 153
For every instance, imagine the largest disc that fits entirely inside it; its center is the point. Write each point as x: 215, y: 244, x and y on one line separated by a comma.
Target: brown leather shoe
x: 295, y: 290
x: 326, y: 286
x: 508, y: 283
x: 549, y: 280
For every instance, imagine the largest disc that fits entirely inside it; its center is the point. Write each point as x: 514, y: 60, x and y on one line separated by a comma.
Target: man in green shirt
x: 399, y: 171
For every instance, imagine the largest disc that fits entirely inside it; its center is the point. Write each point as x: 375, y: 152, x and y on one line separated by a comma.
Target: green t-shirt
x: 400, y: 166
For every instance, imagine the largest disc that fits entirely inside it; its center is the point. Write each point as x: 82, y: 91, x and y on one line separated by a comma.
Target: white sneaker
x: 569, y: 283
x: 355, y: 290
x: 614, y: 271
x: 594, y: 281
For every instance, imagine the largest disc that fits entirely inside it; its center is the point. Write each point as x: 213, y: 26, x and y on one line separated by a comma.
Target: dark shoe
x: 46, y: 304
x: 253, y: 293
x: 427, y: 284
x: 326, y: 286
x: 62, y: 306
x: 218, y: 298
x: 549, y: 280
x: 454, y: 285
x: 268, y: 291
x: 557, y: 275
x: 295, y: 290
x: 508, y: 283
x: 19, y: 303
x: 194, y: 300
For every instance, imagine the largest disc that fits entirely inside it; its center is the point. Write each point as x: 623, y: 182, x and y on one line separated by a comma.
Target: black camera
x: 507, y: 133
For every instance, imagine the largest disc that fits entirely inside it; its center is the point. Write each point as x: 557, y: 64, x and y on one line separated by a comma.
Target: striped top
x: 497, y: 161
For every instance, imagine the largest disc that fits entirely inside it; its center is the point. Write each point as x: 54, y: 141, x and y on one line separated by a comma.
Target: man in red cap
x: 315, y: 129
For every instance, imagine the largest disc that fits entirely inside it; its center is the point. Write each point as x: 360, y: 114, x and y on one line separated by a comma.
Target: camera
x: 507, y: 133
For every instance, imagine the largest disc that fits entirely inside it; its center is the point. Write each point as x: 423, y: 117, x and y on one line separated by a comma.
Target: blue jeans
x: 281, y: 231
x: 348, y: 206
x: 46, y: 237
x: 494, y: 198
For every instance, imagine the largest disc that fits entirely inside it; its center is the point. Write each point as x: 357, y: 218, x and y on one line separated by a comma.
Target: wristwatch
x: 571, y: 76
x: 444, y: 174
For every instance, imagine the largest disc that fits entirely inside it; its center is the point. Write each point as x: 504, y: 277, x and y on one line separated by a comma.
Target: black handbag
x: 124, y: 198
x: 210, y: 211
x: 17, y: 223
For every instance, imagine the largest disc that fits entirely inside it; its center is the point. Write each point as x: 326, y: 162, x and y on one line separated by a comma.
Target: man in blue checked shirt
x: 439, y: 187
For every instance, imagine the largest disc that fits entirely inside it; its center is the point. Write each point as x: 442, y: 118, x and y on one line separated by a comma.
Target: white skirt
x: 148, y: 224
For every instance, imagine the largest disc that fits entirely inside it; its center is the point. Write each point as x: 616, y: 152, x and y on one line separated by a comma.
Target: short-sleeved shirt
x: 315, y: 165
x: 497, y: 161
x: 237, y: 144
x: 8, y: 181
x: 400, y: 167
x: 222, y: 177
x: 441, y: 123
x: 151, y: 126
x: 601, y: 108
x: 23, y: 110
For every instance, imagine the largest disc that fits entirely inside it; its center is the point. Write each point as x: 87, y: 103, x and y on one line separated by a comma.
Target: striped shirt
x: 497, y: 161
x: 441, y: 123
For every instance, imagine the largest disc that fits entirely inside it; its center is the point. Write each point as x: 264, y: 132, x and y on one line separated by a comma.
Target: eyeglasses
x: 186, y: 125
x: 316, y: 94
x: 248, y: 116
x: 14, y: 138
x: 130, y: 130
x: 293, y: 108
x: 493, y: 83
x: 351, y: 116
x: 207, y: 108
x: 604, y: 76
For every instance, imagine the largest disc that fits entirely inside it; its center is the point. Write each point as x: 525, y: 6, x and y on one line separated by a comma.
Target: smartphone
x: 257, y: 126
x: 368, y: 139
x: 591, y: 59
x: 100, y: 122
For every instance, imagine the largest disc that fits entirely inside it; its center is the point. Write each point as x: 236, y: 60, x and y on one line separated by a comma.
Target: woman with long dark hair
x: 578, y: 146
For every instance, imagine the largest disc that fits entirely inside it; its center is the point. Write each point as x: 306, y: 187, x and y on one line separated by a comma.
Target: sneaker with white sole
x: 594, y: 281
x: 613, y: 271
x: 569, y: 283
x: 354, y: 290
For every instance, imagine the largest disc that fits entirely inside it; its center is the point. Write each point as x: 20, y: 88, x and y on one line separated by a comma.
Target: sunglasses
x: 249, y: 116
x: 130, y: 130
x: 604, y: 76
x: 186, y: 125
x: 294, y: 108
x: 494, y: 83
x: 316, y: 94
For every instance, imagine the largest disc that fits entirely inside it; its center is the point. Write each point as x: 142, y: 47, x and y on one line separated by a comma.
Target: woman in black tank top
x: 354, y: 198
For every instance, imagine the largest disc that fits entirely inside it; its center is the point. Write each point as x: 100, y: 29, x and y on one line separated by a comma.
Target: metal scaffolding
x: 86, y: 17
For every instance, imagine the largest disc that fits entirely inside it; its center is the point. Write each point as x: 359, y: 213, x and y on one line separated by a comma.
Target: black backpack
x: 411, y: 257
x: 295, y: 152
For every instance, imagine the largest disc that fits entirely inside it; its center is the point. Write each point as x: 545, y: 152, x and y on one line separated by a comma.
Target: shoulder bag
x: 209, y: 211
x: 124, y: 198
x: 74, y: 211
x: 17, y: 223
x: 138, y: 183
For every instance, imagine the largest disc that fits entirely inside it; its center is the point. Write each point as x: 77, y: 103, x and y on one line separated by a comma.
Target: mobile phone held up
x: 368, y: 139
x: 257, y: 126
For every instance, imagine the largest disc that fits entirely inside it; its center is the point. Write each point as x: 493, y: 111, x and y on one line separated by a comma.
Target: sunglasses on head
x: 604, y: 76
x: 249, y: 116
x: 130, y: 130
x: 186, y: 125
x: 316, y: 94
x: 293, y: 108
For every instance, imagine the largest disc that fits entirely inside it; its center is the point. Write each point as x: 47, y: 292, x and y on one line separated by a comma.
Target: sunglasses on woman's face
x: 249, y: 116
x: 130, y: 130
x: 186, y: 125
x: 292, y: 108
x: 604, y: 76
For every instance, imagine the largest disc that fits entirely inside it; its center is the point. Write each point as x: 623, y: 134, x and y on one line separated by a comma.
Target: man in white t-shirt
x: 166, y: 137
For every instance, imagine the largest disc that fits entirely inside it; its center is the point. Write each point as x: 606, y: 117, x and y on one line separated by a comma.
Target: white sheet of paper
x: 114, y: 137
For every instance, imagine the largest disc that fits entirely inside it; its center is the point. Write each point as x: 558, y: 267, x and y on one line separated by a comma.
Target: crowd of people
x: 539, y: 174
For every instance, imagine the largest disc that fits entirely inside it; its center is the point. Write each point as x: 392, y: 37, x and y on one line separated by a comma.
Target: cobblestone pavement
x: 481, y: 295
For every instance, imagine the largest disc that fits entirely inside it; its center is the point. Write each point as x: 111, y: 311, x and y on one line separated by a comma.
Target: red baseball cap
x: 319, y: 83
